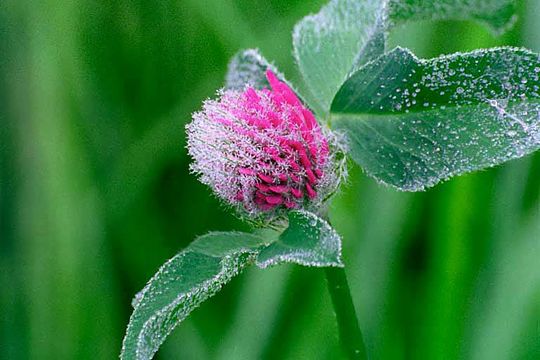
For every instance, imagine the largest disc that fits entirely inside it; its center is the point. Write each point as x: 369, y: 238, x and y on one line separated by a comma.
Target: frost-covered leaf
x: 309, y: 241
x: 499, y: 15
x: 182, y: 284
x: 345, y: 34
x: 199, y: 271
x: 248, y: 67
x: 412, y: 123
x: 333, y: 42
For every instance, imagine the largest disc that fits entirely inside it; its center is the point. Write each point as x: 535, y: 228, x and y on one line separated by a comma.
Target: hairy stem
x: 349, y: 331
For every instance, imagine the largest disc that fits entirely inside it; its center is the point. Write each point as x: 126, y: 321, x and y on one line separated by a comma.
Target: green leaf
x: 331, y: 44
x: 345, y: 34
x: 499, y: 15
x: 199, y: 271
x: 182, y: 284
x: 412, y: 123
x: 309, y: 241
x: 248, y: 67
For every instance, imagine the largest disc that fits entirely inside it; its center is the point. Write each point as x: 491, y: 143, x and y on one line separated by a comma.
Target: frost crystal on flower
x: 262, y: 151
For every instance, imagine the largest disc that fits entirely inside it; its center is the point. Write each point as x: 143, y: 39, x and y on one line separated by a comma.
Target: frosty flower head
x: 262, y: 151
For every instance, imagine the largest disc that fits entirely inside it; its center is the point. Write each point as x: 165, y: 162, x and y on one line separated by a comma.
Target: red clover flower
x: 262, y: 151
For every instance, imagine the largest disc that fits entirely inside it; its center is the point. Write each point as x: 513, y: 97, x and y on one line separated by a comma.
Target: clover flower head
x: 263, y: 151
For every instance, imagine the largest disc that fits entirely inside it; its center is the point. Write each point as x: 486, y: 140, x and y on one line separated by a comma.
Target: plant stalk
x: 349, y: 330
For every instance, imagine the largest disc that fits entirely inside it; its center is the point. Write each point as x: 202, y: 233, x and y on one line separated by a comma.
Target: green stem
x: 349, y: 331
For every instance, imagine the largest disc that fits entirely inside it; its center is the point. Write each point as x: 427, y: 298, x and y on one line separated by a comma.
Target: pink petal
x: 297, y: 193
x: 262, y: 187
x: 310, y: 192
x: 280, y: 189
x: 290, y: 204
x: 274, y: 200
x: 311, y: 177
x: 265, y: 178
x: 245, y: 171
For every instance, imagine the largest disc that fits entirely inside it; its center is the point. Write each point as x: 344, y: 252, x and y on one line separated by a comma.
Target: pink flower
x: 262, y: 151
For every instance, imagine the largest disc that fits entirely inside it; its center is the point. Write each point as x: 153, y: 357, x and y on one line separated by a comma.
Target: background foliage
x: 95, y: 196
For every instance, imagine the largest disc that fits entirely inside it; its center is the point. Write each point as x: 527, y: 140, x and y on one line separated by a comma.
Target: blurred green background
x: 95, y: 195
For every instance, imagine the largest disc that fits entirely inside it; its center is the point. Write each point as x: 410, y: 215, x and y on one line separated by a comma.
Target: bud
x: 262, y: 151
